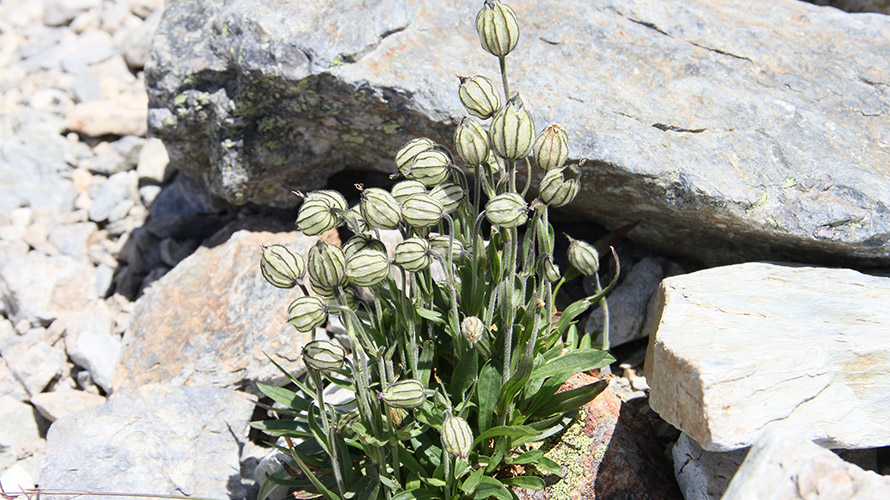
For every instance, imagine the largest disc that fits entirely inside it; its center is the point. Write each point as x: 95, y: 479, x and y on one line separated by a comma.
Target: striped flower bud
x: 457, y: 438
x: 560, y: 186
x: 413, y: 254
x: 422, y: 210
x: 548, y: 269
x: 497, y: 27
x: 307, y: 313
x: 472, y: 329
x: 356, y: 214
x: 479, y: 96
x: 404, y: 394
x: 583, y: 257
x: 507, y: 210
x: 403, y: 189
x: 512, y: 131
x: 323, y: 355
x: 327, y: 265
x: 552, y: 147
x: 361, y: 242
x: 316, y: 216
x: 429, y: 167
x: 281, y: 267
x: 325, y: 292
x: 471, y: 142
x: 367, y: 267
x: 380, y: 209
x: 333, y: 198
x: 405, y: 156
x: 449, y: 195
x: 439, y: 244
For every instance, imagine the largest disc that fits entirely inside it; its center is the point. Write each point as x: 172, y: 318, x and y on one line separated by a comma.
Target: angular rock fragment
x: 38, y: 288
x: 737, y: 348
x: 704, y: 475
x: 55, y: 405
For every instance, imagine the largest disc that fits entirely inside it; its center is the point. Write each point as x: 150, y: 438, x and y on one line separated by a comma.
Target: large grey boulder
x: 734, y: 350
x: 158, y: 439
x: 730, y: 130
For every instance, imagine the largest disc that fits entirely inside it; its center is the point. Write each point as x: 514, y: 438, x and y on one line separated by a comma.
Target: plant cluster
x: 455, y: 380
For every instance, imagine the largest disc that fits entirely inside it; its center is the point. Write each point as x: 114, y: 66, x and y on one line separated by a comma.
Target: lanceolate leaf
x: 572, y: 399
x: 573, y: 362
x: 288, y: 398
x: 487, y: 390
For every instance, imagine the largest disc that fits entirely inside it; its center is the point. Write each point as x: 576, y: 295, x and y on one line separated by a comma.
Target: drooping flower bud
x: 552, y: 147
x: 497, y: 27
x: 439, y: 244
x: 507, y: 210
x: 449, y: 195
x: 429, y: 167
x: 404, y: 394
x: 356, y: 214
x: 361, y: 242
x: 329, y: 196
x: 457, y: 438
x: 327, y: 265
x: 323, y: 355
x: 583, y: 257
x: 422, y: 210
x: 380, y: 209
x: 479, y: 96
x: 560, y: 186
x: 405, y: 156
x: 403, y: 189
x: 281, y: 267
x: 512, y: 131
x: 413, y: 254
x: 548, y: 269
x: 471, y: 142
x: 316, y: 216
x: 307, y: 313
x: 367, y: 267
x: 473, y: 329
x: 325, y: 292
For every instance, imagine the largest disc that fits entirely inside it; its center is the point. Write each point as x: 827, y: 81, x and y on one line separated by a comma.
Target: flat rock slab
x: 158, y: 439
x: 730, y: 130
x: 735, y: 349
x: 784, y: 466
x: 210, y: 319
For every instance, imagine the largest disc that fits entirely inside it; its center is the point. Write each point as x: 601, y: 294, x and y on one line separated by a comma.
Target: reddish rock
x: 210, y: 319
x: 609, y: 453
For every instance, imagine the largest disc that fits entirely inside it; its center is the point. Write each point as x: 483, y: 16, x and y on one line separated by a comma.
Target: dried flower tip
x: 405, y: 156
x: 583, y: 257
x: 507, y: 210
x: 380, y: 209
x: 327, y: 265
x: 479, y: 96
x: 552, y: 147
x: 367, y: 267
x: 471, y: 142
x: 512, y: 131
x: 323, y: 355
x: 457, y: 438
x: 402, y: 190
x: 413, y: 254
x: 404, y: 394
x: 497, y: 27
x: 281, y: 267
x: 422, y: 210
x: 307, y: 313
x: 472, y: 329
x: 560, y: 186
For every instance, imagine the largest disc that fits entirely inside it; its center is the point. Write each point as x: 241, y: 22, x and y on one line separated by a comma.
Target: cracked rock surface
x: 733, y: 350
x: 730, y: 131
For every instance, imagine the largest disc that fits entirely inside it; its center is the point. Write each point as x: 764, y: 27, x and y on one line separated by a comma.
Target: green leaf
x: 516, y: 381
x: 418, y: 494
x: 580, y: 360
x: 472, y: 481
x: 283, y: 396
x: 490, y: 487
x: 464, y: 374
x: 310, y: 475
x: 319, y: 433
x: 528, y: 457
x: 434, y: 482
x: 487, y: 389
x: 425, y: 362
x: 513, y: 431
x: 528, y: 482
x: 434, y: 316
x: 572, y: 399
x: 547, y: 465
x: 282, y: 428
